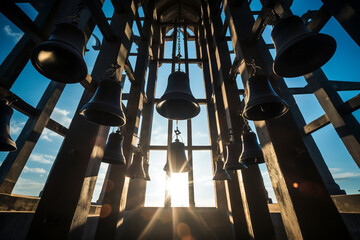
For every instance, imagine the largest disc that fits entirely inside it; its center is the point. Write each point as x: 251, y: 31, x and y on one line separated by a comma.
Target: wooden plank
x: 234, y: 200
x: 250, y: 180
x: 346, y: 125
x: 77, y: 163
x: 99, y: 16
x: 21, y: 20
x: 56, y: 127
x: 320, y: 19
x: 316, y: 124
x: 347, y: 14
x: 182, y: 60
x: 293, y: 164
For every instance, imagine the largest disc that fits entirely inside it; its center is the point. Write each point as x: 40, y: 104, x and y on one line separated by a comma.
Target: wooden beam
x: 99, y: 16
x: 347, y: 14
x: 320, y: 19
x: 21, y: 20
x: 295, y: 163
x: 129, y: 71
x: 56, y: 127
x: 78, y: 161
x: 194, y: 148
x: 191, y: 60
x: 14, y: 162
x: 346, y: 125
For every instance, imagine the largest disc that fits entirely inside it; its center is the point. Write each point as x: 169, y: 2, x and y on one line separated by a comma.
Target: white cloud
x: 34, y: 170
x: 16, y: 127
x: 42, y: 158
x: 61, y: 116
x: 28, y: 187
x: 345, y: 175
x: 48, y: 135
x: 14, y: 35
x: 334, y: 170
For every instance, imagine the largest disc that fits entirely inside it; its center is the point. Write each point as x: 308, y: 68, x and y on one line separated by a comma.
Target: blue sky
x: 30, y: 86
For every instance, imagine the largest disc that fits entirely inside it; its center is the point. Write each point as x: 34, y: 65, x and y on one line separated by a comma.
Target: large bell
x: 6, y: 142
x: 136, y: 168
x: 220, y: 172
x: 146, y: 170
x: 61, y: 58
x: 298, y: 50
x: 113, y: 152
x: 105, y: 108
x: 251, y: 151
x: 178, y: 103
x: 261, y: 102
x: 232, y: 158
x: 177, y: 161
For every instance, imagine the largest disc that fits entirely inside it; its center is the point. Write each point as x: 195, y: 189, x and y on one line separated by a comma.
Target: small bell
x: 177, y: 162
x: 232, y: 158
x: 220, y: 172
x: 61, y: 58
x: 298, y: 50
x: 105, y: 108
x: 6, y: 142
x: 261, y: 102
x: 178, y: 103
x: 113, y: 152
x: 251, y: 151
x: 136, y: 168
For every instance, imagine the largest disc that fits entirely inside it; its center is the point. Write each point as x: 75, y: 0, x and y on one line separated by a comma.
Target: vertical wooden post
x: 220, y: 191
x: 250, y: 180
x: 306, y: 207
x: 137, y: 188
x: 235, y: 206
x: 66, y: 195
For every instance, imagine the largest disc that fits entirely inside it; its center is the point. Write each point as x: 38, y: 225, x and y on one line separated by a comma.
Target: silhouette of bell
x: 177, y: 161
x: 105, y: 108
x: 178, y: 103
x: 136, y: 168
x: 261, y: 102
x: 146, y: 170
x: 220, y: 172
x: 113, y: 152
x: 232, y: 158
x: 251, y: 151
x: 298, y: 50
x: 61, y: 58
x: 6, y: 142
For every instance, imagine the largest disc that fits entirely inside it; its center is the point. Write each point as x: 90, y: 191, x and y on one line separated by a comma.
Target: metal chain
x: 178, y: 43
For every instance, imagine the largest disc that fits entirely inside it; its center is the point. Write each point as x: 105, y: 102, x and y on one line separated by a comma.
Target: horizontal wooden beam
x: 56, y: 127
x: 170, y: 38
x: 21, y: 20
x: 319, y: 20
x: 101, y: 21
x: 190, y: 61
x: 201, y: 101
x: 347, y: 107
x: 193, y: 148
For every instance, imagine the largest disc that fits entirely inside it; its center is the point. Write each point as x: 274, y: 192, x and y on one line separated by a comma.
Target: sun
x: 178, y: 189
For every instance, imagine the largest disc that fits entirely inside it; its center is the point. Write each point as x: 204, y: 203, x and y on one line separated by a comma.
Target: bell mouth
x: 311, y: 50
x: 265, y: 110
x: 94, y: 113
x: 177, y: 109
x: 59, y: 62
x: 7, y: 145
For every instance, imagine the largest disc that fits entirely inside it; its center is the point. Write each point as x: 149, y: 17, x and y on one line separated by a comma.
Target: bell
x: 220, y: 172
x: 177, y: 161
x: 6, y: 142
x: 105, y: 108
x: 146, y: 170
x: 251, y: 151
x: 61, y: 58
x: 178, y: 103
x: 261, y: 102
x: 232, y: 158
x: 298, y: 50
x: 136, y: 168
x: 113, y: 152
